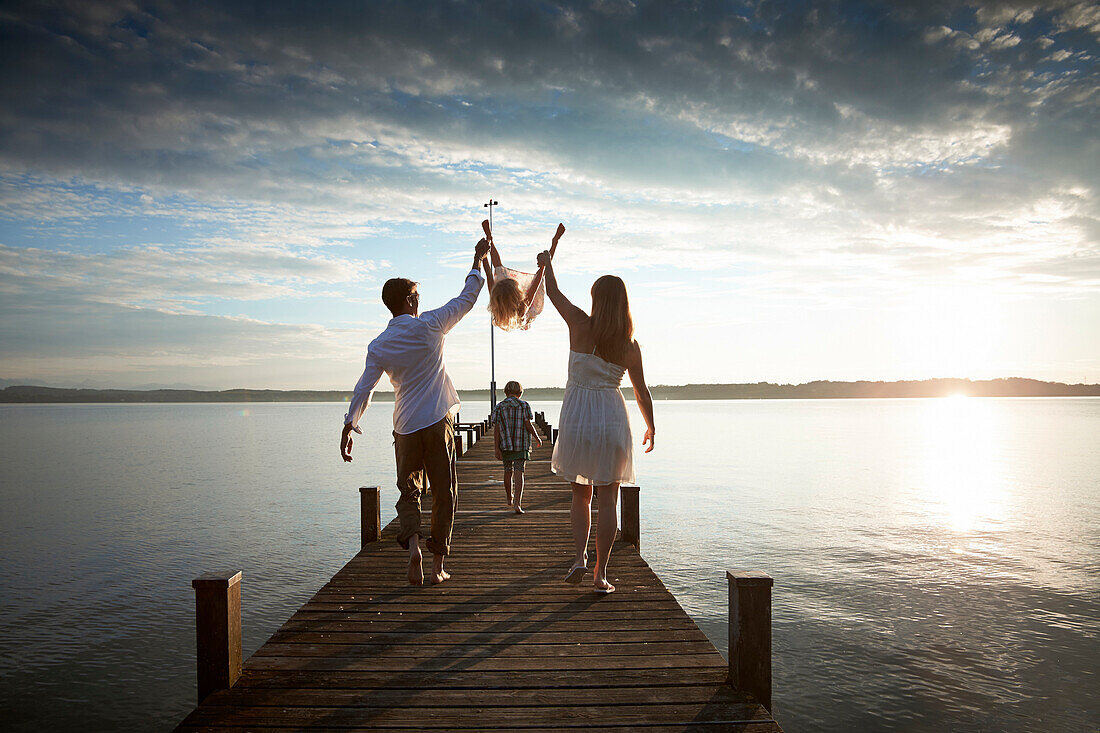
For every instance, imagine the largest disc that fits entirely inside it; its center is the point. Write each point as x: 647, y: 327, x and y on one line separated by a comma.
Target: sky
x: 212, y: 194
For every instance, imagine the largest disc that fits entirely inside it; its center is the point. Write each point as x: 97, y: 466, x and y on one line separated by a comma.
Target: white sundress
x: 594, y: 444
x: 524, y: 279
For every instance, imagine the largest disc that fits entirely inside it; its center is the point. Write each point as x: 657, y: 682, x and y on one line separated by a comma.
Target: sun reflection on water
x: 962, y: 480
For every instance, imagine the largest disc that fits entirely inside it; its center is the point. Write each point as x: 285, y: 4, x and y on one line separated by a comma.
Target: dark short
x: 514, y: 460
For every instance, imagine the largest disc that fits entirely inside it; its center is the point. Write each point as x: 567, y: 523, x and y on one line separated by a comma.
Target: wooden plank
x: 460, y: 625
x: 485, y: 680
x: 573, y: 649
x: 764, y: 725
x: 455, y: 717
x: 489, y: 638
x: 476, y: 662
x: 414, y: 697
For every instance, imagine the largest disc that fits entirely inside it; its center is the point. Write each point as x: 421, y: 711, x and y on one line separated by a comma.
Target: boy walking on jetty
x: 512, y: 432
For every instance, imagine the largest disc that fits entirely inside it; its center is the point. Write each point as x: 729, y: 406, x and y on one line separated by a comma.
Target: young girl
x: 594, y: 447
x: 515, y: 298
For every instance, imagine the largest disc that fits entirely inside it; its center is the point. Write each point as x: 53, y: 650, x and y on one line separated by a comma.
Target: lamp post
x: 492, y: 343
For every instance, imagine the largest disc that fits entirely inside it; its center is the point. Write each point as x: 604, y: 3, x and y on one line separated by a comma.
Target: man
x: 512, y: 432
x: 410, y: 351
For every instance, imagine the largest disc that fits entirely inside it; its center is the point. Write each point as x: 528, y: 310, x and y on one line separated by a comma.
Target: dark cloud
x: 185, y: 92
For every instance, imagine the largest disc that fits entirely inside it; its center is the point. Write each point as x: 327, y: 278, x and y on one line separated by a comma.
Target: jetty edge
x: 505, y: 645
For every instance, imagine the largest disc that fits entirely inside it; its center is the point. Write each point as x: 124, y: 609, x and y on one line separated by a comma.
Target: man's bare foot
x: 519, y: 510
x: 602, y: 586
x: 438, y: 573
x: 416, y: 567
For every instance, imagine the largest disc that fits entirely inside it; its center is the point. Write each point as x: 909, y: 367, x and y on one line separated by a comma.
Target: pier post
x: 217, y: 630
x: 750, y: 634
x: 370, y: 501
x: 458, y: 443
x: 631, y: 516
x: 554, y: 437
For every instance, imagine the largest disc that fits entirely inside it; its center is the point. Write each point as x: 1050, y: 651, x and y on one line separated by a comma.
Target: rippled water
x: 936, y: 562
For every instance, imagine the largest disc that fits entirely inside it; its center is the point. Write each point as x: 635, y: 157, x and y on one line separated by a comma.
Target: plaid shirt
x: 511, y: 415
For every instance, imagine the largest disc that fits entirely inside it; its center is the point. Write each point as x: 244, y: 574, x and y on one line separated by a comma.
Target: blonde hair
x: 508, y: 304
x: 612, y: 325
x: 513, y: 388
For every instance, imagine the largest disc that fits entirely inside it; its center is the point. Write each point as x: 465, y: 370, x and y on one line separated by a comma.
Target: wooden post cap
x: 745, y: 578
x: 216, y: 580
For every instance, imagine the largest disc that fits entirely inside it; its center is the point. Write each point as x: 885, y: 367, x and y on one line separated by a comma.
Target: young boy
x: 512, y: 431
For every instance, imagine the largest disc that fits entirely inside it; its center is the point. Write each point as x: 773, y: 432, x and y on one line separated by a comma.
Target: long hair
x: 612, y: 325
x: 507, y: 304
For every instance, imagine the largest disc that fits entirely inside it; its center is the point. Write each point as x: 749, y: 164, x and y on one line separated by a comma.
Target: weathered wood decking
x: 504, y: 645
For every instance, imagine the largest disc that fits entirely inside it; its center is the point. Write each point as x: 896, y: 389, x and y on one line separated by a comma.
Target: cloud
x: 887, y: 146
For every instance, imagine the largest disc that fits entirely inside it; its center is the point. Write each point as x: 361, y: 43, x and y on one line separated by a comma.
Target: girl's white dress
x: 524, y: 279
x: 594, y: 445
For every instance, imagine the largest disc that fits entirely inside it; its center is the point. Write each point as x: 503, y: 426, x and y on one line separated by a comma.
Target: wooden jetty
x: 505, y: 645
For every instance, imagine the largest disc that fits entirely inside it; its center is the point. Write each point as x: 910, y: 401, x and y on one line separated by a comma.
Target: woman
x: 594, y: 446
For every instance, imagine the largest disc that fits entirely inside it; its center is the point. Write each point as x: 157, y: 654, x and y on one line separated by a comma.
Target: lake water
x: 936, y: 562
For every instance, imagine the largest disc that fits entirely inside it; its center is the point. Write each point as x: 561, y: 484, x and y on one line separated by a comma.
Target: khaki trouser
x: 430, y: 451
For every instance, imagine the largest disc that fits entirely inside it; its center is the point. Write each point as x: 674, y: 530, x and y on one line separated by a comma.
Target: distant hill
x: 1015, y: 387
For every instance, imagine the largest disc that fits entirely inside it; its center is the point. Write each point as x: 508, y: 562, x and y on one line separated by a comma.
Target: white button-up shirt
x: 410, y: 351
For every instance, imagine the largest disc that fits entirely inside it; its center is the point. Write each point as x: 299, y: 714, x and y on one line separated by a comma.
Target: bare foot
x: 438, y: 573
x: 416, y: 567
x: 602, y: 586
x: 576, y: 573
x: 519, y: 510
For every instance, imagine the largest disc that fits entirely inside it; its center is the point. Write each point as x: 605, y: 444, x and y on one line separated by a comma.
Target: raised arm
x: 488, y: 274
x: 534, y: 288
x: 572, y: 315
x: 494, y: 255
x: 641, y: 394
x: 448, y: 315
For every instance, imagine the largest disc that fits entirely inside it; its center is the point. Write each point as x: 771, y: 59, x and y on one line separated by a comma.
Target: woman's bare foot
x: 519, y: 510
x: 416, y: 567
x: 577, y: 571
x: 602, y: 586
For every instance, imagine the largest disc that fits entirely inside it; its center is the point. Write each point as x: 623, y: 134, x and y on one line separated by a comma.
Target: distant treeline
x: 760, y: 391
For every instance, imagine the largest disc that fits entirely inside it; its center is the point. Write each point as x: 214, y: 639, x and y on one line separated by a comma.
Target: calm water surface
x: 936, y: 562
